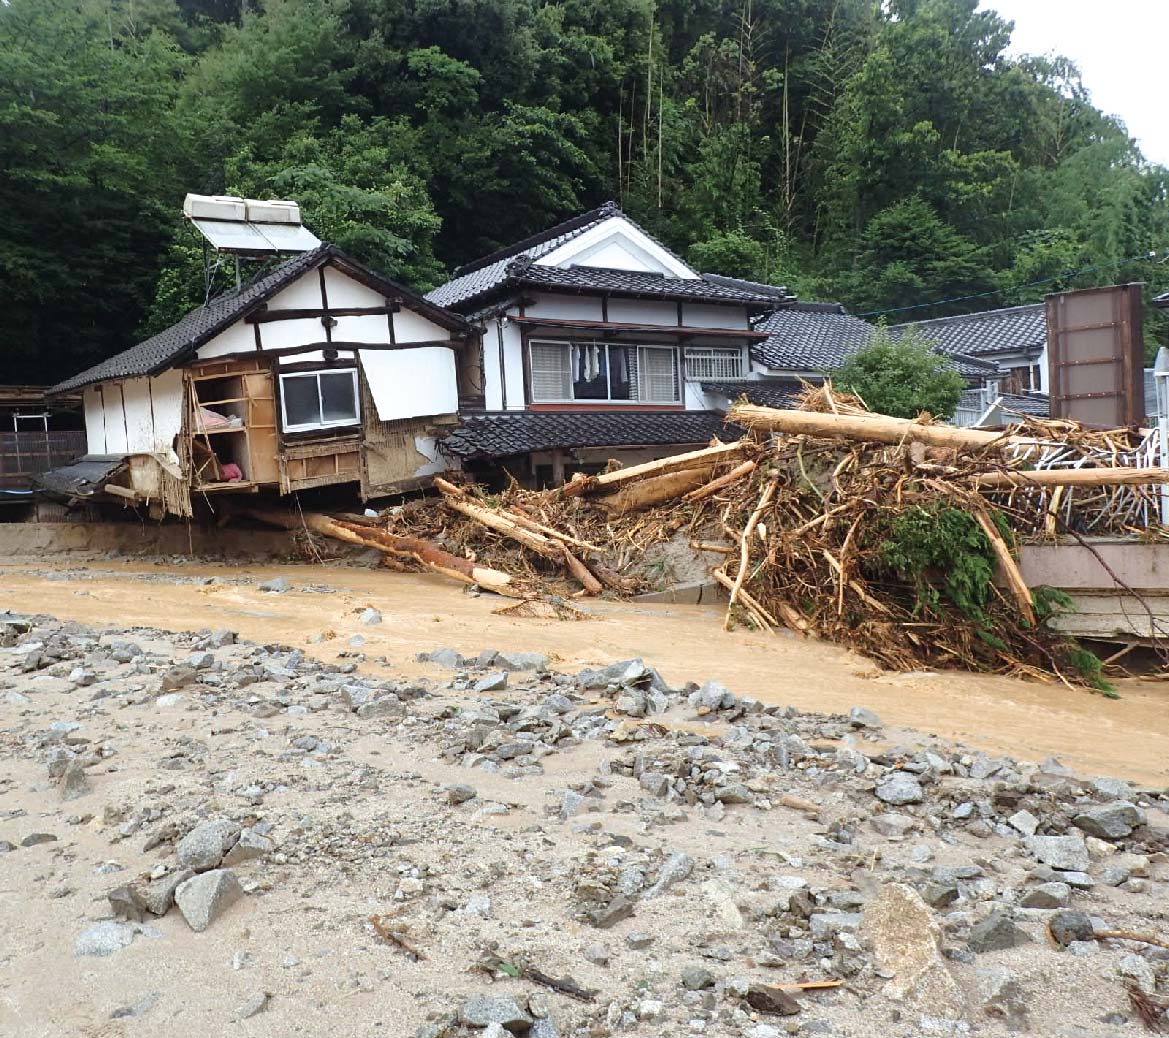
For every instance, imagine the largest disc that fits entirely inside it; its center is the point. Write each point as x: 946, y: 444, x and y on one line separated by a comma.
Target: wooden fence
x: 27, y: 454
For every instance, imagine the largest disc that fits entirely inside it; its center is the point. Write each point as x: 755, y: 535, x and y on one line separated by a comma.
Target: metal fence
x: 27, y: 454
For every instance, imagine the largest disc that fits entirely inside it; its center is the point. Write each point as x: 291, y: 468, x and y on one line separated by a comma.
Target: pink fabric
x: 232, y: 473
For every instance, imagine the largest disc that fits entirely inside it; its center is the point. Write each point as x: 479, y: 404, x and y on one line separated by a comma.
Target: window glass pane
x: 302, y: 406
x: 658, y: 375
x: 551, y: 374
x: 622, y: 372
x: 337, y: 396
x: 590, y: 371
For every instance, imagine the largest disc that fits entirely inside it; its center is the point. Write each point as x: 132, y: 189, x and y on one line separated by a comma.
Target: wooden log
x: 875, y: 428
x: 745, y: 549
x: 429, y: 555
x: 579, y: 570
x: 1015, y: 582
x: 609, y: 482
x: 725, y: 480
x: 537, y: 542
x: 550, y: 531
x: 655, y: 490
x: 611, y: 578
x: 1101, y: 477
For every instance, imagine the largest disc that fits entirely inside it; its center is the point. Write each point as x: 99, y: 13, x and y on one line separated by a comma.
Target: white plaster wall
x: 95, y: 421
x: 344, y: 291
x: 703, y: 315
x: 283, y: 335
x: 412, y: 327
x: 513, y: 364
x: 492, y: 380
x: 568, y: 308
x: 412, y: 383
x: 370, y: 328
x: 303, y: 294
x: 114, y: 415
x: 238, y: 338
x: 693, y: 398
x: 643, y: 311
x: 598, y: 242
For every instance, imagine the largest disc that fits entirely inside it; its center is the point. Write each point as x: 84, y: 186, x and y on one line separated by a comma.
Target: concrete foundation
x: 25, y: 539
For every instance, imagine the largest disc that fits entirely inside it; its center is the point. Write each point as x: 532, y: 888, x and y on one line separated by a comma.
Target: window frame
x: 322, y: 424
x: 566, y: 345
x: 712, y: 355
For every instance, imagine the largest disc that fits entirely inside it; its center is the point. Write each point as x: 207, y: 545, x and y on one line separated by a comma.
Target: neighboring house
x: 317, y: 372
x: 595, y: 341
x: 35, y: 436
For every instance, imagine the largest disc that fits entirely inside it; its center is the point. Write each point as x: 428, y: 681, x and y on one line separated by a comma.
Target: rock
x: 204, y: 846
x: 139, y: 1008
x: 250, y: 846
x: 712, y: 696
x: 764, y: 998
x: 171, y: 699
x: 33, y: 839
x: 443, y: 657
x: 906, y: 942
x: 484, y: 1010
x: 203, y: 898
x: 1137, y: 968
x: 494, y: 682
x: 74, y: 782
x: 545, y: 1028
x: 1001, y: 995
x: 521, y: 661
x: 996, y: 932
x: 127, y: 903
x: 863, y: 717
x: 1025, y: 822
x: 611, y: 914
x: 1047, y: 895
x: 175, y: 678
x: 104, y: 938
x: 256, y: 1003
x: 1068, y: 926
x: 722, y: 899
x: 1112, y: 821
x: 460, y: 794
x: 677, y: 867
x: 383, y: 706
x: 939, y: 895
x: 597, y: 954
x: 1068, y: 853
x: 654, y: 783
x: 160, y: 895
x: 1112, y: 788
x: 218, y: 639
x: 370, y: 616
x: 6, y: 846
x: 639, y: 940
x: 697, y: 978
x: 900, y: 788
x: 276, y: 586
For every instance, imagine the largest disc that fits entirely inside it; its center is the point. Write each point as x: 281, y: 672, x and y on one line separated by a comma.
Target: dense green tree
x: 901, y: 376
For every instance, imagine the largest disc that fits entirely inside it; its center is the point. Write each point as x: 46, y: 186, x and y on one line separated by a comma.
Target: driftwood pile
x: 794, y: 521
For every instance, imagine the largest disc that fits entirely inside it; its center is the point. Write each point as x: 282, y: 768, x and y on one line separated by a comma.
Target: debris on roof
x: 84, y: 477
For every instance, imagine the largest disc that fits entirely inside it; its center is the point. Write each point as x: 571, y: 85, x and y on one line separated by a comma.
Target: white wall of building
x: 412, y: 383
x: 135, y: 415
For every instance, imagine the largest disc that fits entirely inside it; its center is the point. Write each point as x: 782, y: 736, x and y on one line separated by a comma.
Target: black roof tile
x: 503, y: 434
x: 641, y: 284
x: 181, y: 339
x: 987, y: 332
x: 767, y: 392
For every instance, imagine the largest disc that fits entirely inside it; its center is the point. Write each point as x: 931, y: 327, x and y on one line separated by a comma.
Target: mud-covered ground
x: 670, y: 837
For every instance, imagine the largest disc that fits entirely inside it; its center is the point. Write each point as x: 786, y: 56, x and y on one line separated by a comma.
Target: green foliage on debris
x: 939, y: 551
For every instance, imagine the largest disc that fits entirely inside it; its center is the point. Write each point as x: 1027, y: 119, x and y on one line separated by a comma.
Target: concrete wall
x: 48, y: 538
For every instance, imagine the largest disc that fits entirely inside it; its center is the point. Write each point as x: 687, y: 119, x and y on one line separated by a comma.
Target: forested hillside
x: 886, y: 155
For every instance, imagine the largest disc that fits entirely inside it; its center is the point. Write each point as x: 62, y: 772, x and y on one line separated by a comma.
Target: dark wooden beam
x: 660, y: 329
x: 265, y: 316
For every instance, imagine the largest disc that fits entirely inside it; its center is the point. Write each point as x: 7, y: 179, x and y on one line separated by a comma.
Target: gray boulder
x: 1112, y: 821
x: 205, y: 897
x: 484, y: 1010
x: 900, y: 788
x: 995, y: 933
x: 250, y: 846
x: 204, y: 846
x: 104, y: 938
x: 160, y: 895
x: 1068, y: 853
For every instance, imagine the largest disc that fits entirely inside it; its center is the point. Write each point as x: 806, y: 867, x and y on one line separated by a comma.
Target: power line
x: 1148, y: 256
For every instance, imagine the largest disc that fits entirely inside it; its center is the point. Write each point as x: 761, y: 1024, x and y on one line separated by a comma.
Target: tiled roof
x: 774, y: 291
x: 991, y: 331
x: 767, y: 392
x: 821, y: 337
x: 1035, y: 404
x: 84, y: 477
x: 502, y: 434
x: 808, y: 337
x: 490, y: 273
x: 642, y: 284
x: 180, y: 340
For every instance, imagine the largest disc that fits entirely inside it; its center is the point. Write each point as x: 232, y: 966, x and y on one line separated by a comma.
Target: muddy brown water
x: 1128, y: 737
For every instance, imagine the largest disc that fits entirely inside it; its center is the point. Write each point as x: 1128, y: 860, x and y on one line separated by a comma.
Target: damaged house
x: 597, y: 342
x: 316, y: 372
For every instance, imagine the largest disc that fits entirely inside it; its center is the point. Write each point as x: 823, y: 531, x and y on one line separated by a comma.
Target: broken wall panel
x: 1095, y: 351
x: 412, y: 383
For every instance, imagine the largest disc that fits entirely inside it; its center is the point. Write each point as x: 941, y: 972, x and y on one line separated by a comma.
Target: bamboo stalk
x: 715, y: 485
x: 1016, y: 583
x: 1102, y: 477
x: 869, y: 428
x: 609, y: 481
x: 744, y: 547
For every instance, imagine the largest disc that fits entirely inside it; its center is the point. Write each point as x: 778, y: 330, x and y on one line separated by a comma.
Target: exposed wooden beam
x: 265, y: 316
